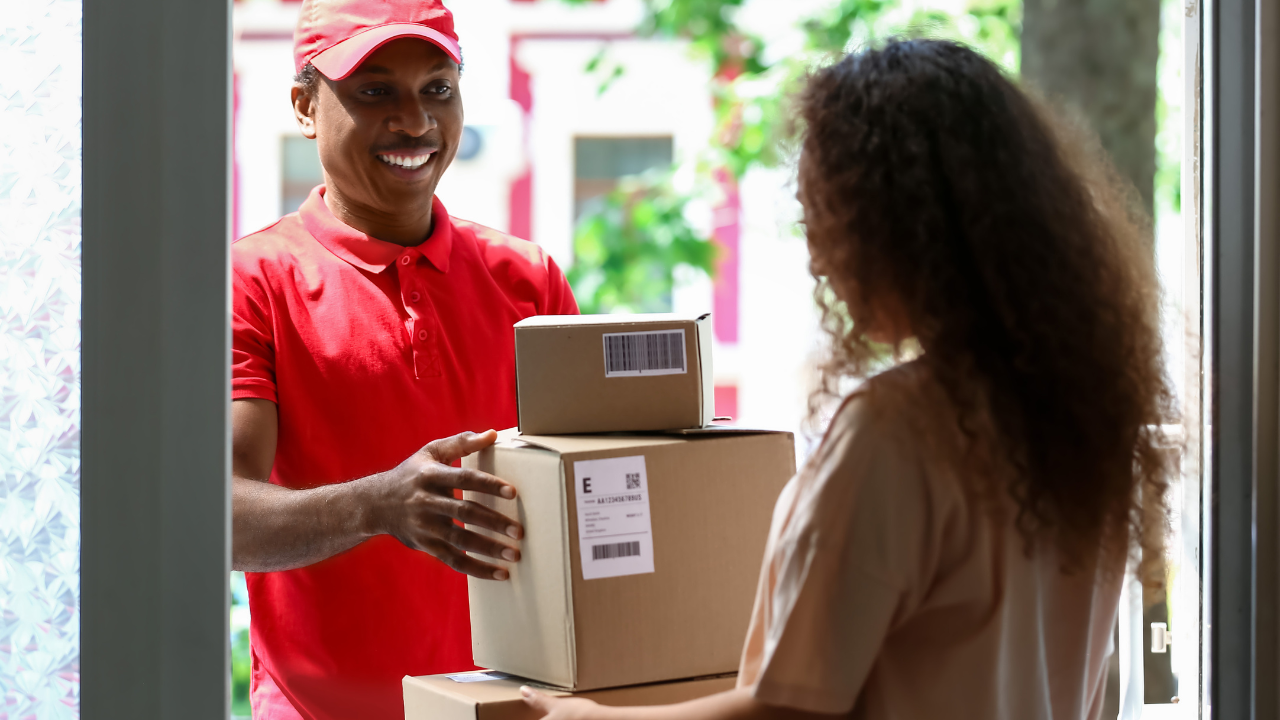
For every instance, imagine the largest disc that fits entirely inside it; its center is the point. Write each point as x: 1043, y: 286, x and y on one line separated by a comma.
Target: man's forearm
x: 276, y: 528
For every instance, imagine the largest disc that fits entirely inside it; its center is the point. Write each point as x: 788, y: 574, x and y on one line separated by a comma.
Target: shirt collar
x: 369, y: 253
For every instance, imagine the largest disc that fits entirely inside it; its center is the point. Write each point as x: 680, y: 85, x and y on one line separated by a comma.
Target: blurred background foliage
x: 758, y: 67
x: 629, y: 244
x: 755, y: 82
x: 240, y: 658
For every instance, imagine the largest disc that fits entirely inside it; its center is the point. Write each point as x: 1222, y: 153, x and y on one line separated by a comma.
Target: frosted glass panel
x: 40, y: 45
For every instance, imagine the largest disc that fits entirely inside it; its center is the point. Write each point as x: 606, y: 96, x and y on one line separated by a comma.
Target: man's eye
x: 374, y: 91
x: 439, y: 90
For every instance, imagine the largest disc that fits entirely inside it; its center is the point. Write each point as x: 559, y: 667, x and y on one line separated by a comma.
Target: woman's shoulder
x: 905, y: 400
x: 897, y: 434
x: 879, y: 482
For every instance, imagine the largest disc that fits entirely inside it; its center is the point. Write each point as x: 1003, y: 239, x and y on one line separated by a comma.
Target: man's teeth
x: 405, y: 161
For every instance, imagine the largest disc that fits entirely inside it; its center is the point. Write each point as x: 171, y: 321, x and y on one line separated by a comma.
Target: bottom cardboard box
x: 488, y: 695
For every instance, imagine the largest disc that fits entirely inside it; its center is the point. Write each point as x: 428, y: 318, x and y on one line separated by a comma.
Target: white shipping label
x: 615, y: 532
x: 644, y: 353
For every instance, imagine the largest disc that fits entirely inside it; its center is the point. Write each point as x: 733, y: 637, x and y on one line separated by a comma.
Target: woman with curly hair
x: 956, y: 545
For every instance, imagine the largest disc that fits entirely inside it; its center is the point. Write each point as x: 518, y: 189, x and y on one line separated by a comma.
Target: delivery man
x: 371, y: 330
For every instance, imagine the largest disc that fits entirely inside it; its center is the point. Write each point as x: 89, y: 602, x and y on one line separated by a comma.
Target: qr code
x: 633, y: 481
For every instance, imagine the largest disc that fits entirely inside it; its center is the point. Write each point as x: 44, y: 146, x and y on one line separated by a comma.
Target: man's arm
x: 277, y: 528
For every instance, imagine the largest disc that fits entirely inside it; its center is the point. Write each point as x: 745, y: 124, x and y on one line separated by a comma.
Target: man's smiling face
x: 387, y: 131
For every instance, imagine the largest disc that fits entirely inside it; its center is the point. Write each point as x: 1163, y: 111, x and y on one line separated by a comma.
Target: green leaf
x: 627, y: 245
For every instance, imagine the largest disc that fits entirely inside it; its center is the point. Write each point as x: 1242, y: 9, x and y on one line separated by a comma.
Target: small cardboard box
x: 483, y: 695
x: 613, y: 373
x: 640, y: 557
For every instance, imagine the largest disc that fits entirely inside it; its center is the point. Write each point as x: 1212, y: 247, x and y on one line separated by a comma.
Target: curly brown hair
x: 931, y: 182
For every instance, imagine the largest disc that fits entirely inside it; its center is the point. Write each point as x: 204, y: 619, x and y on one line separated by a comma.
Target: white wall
x: 779, y: 338
x: 662, y: 91
x: 264, y: 76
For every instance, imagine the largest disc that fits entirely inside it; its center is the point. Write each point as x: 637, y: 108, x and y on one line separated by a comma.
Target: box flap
x: 512, y: 440
x: 619, y: 319
x: 718, y: 430
x: 566, y: 444
x: 707, y: 378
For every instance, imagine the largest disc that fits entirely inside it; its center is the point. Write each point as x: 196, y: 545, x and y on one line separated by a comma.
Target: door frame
x: 155, y: 449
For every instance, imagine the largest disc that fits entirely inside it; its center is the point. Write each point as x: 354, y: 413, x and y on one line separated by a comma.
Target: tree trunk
x: 1098, y: 58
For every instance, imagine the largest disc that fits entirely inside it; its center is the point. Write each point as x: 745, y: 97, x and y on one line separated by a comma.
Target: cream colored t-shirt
x: 889, y: 592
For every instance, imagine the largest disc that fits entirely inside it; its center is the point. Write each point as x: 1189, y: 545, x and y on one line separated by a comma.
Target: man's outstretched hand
x: 416, y: 504
x: 279, y: 528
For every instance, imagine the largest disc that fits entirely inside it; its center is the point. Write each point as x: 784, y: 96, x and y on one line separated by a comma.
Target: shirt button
x: 422, y: 335
x: 414, y: 297
x: 404, y: 260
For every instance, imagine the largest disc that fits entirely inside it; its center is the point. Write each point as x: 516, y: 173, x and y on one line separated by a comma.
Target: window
x: 598, y: 164
x: 40, y: 367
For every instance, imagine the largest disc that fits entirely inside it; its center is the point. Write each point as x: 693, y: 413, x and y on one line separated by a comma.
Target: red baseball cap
x: 337, y: 35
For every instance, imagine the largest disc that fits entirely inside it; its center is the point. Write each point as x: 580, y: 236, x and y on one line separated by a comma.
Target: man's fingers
x: 464, y: 563
x: 444, y: 477
x: 475, y: 480
x: 474, y: 542
x: 473, y: 513
x: 450, y: 449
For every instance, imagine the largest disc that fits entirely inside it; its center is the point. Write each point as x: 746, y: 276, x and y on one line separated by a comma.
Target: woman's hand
x: 562, y: 708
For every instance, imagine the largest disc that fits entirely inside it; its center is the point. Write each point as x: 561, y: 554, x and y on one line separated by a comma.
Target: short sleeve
x: 560, y: 300
x: 841, y: 562
x: 253, y: 367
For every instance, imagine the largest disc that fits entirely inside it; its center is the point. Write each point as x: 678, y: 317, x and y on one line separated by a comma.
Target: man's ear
x: 304, y: 110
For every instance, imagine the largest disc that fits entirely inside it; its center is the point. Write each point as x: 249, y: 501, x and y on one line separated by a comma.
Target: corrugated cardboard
x: 564, y: 387
x: 711, y: 499
x: 438, y: 697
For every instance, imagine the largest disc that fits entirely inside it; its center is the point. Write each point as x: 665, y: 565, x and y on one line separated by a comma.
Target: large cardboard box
x: 613, y: 373
x: 484, y: 695
x: 640, y: 556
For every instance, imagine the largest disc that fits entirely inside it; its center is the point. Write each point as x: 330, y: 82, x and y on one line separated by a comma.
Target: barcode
x: 615, y: 550
x: 638, y: 353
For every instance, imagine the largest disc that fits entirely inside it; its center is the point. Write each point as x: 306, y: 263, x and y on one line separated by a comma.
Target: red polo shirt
x: 371, y: 350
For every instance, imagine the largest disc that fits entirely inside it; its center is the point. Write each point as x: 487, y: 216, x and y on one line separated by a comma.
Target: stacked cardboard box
x: 613, y: 373
x: 486, y: 695
x: 643, y: 539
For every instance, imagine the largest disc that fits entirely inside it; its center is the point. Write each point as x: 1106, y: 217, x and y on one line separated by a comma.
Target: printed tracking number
x: 615, y: 550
